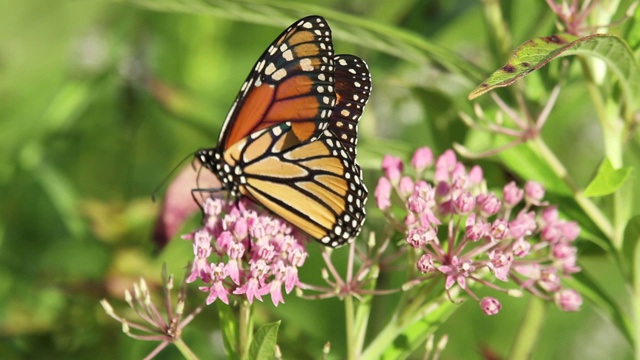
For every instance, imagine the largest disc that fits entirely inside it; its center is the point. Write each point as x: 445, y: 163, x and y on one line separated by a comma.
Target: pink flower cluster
x: 243, y: 250
x: 464, y: 233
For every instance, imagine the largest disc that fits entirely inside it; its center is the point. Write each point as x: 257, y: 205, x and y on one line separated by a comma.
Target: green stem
x: 415, y: 326
x: 635, y: 300
x: 500, y: 36
x: 585, y: 204
x: 185, y: 350
x: 352, y: 351
x: 613, y: 133
x: 529, y: 330
x: 245, y: 329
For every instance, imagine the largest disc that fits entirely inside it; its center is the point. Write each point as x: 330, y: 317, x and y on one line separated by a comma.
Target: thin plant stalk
x: 531, y: 327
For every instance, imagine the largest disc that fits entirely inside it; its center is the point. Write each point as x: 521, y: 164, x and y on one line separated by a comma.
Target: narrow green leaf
x: 530, y: 56
x: 358, y: 30
x: 264, y: 341
x: 400, y: 338
x: 607, y: 179
x: 536, y: 53
x: 633, y: 31
x: 630, y: 247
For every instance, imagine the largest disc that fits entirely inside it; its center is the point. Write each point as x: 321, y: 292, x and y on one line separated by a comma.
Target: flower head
x: 243, y: 250
x: 467, y: 234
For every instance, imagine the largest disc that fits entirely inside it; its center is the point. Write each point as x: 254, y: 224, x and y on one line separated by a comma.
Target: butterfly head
x: 212, y: 159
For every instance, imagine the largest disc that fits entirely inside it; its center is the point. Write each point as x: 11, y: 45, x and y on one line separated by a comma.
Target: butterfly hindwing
x: 316, y: 185
x: 353, y: 87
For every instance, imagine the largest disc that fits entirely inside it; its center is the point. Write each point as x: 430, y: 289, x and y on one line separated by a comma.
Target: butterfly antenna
x: 166, y: 178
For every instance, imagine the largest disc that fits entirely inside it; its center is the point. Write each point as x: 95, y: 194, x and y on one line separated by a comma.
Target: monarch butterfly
x: 288, y: 142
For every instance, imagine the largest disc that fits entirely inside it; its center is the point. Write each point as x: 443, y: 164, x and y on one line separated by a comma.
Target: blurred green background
x: 99, y: 101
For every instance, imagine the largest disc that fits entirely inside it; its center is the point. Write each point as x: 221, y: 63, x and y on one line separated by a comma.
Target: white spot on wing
x: 279, y: 74
x: 288, y: 55
x: 305, y: 65
x: 270, y: 69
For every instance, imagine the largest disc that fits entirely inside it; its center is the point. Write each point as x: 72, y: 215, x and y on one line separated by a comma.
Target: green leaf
x: 401, y: 337
x: 264, y: 341
x: 630, y: 248
x: 536, y: 53
x: 354, y: 29
x: 607, y: 180
x: 633, y: 31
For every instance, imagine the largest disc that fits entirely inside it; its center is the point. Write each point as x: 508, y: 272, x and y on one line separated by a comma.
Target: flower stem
x: 349, y: 319
x: 635, y: 300
x: 585, y: 204
x: 416, y: 327
x: 526, y: 338
x: 245, y: 329
x: 185, y: 350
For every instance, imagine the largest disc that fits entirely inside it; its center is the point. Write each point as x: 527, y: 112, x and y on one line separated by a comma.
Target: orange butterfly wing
x: 292, y: 81
x: 289, y: 140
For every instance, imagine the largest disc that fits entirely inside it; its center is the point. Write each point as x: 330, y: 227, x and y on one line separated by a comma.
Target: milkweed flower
x: 245, y: 251
x: 468, y: 235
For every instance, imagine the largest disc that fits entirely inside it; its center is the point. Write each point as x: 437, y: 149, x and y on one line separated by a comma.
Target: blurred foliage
x: 101, y: 100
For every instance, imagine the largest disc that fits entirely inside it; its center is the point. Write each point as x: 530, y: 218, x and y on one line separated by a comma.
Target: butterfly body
x: 289, y: 140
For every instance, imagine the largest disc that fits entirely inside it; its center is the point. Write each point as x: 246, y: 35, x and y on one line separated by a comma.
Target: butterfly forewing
x: 292, y: 81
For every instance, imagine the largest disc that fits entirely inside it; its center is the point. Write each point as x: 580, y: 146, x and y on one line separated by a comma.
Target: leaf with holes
x: 536, y: 53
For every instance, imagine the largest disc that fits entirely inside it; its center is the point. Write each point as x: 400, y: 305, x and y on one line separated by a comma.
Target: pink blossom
x: 425, y: 264
x: 406, y: 186
x: 217, y: 289
x: 420, y: 236
x: 392, y: 167
x: 534, y: 192
x: 499, y: 230
x: 511, y: 194
x: 252, y: 289
x: 202, y: 250
x: 570, y: 230
x: 476, y: 175
x: 383, y: 193
x: 465, y: 203
x: 422, y: 158
x: 291, y: 279
x: 549, y: 279
x: 552, y: 232
x: 255, y: 250
x: 500, y: 264
x: 488, y: 204
x: 550, y: 214
x: 523, y: 225
x: 521, y: 247
x: 457, y: 272
x: 525, y: 243
x: 275, y: 288
x: 476, y: 229
x: 240, y: 228
x: 568, y: 300
x: 445, y: 165
x: 490, y: 305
